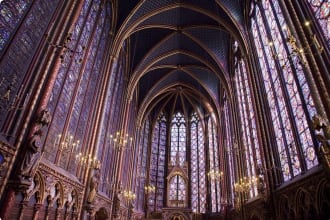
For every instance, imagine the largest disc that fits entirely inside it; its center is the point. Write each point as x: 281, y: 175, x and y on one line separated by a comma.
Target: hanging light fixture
x: 120, y: 140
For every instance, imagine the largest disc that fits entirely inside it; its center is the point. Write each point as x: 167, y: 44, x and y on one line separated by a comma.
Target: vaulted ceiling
x: 179, y: 51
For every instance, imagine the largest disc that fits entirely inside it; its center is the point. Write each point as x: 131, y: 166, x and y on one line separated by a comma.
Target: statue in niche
x: 32, y: 154
x: 260, y: 179
x: 116, y: 205
x: 43, y: 118
x: 93, y: 186
x: 31, y: 157
x: 322, y: 132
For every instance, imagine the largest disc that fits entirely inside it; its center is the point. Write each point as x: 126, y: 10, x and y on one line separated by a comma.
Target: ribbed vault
x: 179, y: 52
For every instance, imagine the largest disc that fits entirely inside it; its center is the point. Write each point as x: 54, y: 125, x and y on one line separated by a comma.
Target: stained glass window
x: 177, y: 192
x: 157, y: 164
x: 286, y: 88
x: 142, y: 166
x: 321, y: 10
x: 214, y: 165
x: 11, y: 13
x: 178, y: 139
x: 197, y: 157
x: 77, y: 81
x: 229, y: 151
x: 23, y: 25
x: 248, y: 124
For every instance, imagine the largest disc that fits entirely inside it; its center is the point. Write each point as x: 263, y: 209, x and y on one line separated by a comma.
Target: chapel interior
x: 165, y: 109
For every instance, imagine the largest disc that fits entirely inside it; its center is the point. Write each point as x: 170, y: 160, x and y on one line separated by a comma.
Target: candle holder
x: 120, y: 140
x: 215, y: 175
x: 66, y: 144
x: 129, y: 195
x: 148, y: 189
x: 245, y: 184
x: 87, y: 160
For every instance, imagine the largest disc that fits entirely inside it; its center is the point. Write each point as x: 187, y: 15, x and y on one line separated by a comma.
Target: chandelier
x: 215, y: 174
x: 129, y: 195
x: 87, y: 160
x: 120, y: 140
x: 149, y: 189
x: 245, y: 184
x: 66, y: 143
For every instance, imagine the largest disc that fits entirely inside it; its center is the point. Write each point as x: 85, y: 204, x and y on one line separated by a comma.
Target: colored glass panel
x: 157, y: 164
x: 287, y: 91
x: 321, y: 10
x: 248, y: 124
x: 197, y: 156
x: 178, y: 139
x: 11, y: 13
x: 214, y: 165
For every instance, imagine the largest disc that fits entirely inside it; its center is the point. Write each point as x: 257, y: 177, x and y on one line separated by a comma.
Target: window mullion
x: 279, y: 116
x: 287, y: 96
x: 248, y: 129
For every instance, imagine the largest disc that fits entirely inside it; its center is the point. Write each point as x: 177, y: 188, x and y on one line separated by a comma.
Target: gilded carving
x: 61, y: 188
x: 36, y: 188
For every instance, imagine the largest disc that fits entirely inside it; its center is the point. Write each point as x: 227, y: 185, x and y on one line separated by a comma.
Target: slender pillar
x: 48, y: 60
x: 317, y: 80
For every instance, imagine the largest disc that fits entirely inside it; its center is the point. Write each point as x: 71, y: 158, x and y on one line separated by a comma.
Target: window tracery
x: 157, y: 164
x: 198, y: 165
x: 321, y: 11
x: 177, y: 192
x: 214, y: 165
x: 141, y: 171
x: 76, y: 82
x: 287, y: 91
x: 11, y: 14
x: 251, y: 147
x: 178, y: 138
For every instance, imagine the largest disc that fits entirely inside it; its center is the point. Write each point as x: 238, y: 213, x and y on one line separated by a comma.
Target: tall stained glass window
x: 248, y: 123
x: 214, y: 165
x: 142, y: 166
x: 178, y: 138
x: 321, y: 10
x: 198, y: 168
x: 287, y: 91
x: 177, y: 193
x: 23, y: 25
x: 157, y: 164
x: 230, y: 152
x: 73, y: 93
x: 11, y: 13
x: 177, y: 184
